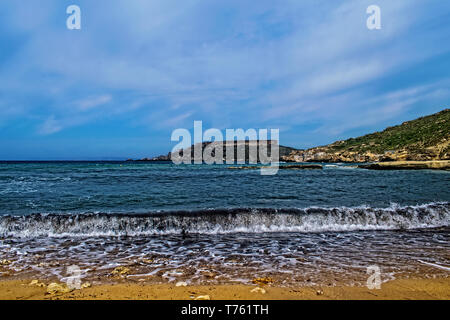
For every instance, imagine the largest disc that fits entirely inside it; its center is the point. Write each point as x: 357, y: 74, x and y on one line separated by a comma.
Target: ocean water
x: 202, y: 223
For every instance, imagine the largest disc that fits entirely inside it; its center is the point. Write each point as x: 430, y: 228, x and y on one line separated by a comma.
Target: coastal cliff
x: 241, y: 150
x: 424, y: 139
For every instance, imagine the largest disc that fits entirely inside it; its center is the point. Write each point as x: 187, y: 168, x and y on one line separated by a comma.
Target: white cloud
x: 176, y: 121
x: 50, y: 126
x: 93, y: 102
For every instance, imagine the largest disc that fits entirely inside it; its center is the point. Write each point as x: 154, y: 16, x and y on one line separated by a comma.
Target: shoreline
x: 408, y: 165
x: 399, y: 289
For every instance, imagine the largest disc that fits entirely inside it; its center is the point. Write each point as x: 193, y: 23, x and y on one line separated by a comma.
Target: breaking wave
x: 216, y: 221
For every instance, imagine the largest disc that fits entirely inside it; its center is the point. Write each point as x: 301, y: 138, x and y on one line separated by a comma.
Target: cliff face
x: 426, y: 138
x: 241, y: 150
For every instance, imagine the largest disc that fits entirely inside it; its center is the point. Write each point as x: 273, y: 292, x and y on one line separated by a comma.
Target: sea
x: 206, y: 224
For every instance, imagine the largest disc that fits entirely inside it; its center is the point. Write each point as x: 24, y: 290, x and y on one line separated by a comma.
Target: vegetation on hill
x: 423, y: 139
x: 413, y: 135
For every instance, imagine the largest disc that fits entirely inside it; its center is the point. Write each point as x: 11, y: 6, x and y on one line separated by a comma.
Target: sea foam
x: 218, y: 221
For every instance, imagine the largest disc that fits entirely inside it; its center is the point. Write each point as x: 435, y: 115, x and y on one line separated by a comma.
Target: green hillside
x: 415, y: 135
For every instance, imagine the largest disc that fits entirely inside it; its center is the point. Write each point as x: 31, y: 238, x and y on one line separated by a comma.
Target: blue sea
x: 207, y: 223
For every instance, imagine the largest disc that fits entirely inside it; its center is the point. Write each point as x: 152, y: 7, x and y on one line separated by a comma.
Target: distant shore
x: 408, y: 165
x: 402, y: 289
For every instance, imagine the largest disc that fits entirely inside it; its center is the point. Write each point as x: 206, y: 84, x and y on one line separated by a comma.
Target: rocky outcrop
x: 408, y: 165
x: 229, y: 146
x: 284, y: 167
x: 323, y: 154
x: 158, y: 158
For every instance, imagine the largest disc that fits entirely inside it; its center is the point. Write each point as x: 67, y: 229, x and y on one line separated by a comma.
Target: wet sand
x: 402, y: 289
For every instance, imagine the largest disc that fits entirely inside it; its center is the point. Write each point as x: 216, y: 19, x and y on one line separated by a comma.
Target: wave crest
x: 216, y: 221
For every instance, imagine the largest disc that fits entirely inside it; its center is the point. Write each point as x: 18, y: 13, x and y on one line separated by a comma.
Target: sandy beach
x: 402, y: 289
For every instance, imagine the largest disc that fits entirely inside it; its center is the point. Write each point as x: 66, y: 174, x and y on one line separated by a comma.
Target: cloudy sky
x: 138, y: 69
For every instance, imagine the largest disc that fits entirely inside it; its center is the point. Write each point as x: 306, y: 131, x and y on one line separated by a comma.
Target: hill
x: 233, y: 146
x: 425, y: 138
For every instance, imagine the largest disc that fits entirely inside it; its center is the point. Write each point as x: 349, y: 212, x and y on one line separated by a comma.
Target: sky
x: 139, y: 69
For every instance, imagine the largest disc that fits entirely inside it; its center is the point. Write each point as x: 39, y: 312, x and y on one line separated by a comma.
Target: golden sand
x: 403, y: 289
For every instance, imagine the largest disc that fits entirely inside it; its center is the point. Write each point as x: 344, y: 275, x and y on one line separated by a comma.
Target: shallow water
x: 291, y: 258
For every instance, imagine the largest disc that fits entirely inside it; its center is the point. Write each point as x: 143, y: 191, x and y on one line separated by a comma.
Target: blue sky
x: 139, y: 69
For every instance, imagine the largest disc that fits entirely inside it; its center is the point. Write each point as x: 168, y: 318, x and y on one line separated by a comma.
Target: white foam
x: 229, y: 221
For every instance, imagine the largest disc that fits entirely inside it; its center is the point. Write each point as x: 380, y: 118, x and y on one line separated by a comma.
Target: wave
x: 216, y: 221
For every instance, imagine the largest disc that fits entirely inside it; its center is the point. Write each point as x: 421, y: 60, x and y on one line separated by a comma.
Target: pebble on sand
x: 36, y: 283
x: 265, y: 280
x: 86, y: 285
x: 258, y: 290
x: 5, y: 262
x: 181, y: 284
x: 206, y: 297
x: 121, y: 271
x: 54, y: 288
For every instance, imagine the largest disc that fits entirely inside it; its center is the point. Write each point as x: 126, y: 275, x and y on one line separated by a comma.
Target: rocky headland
x: 424, y: 139
x: 240, y: 148
x: 422, y: 143
x: 285, y: 167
